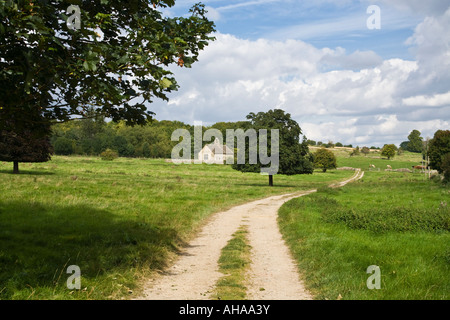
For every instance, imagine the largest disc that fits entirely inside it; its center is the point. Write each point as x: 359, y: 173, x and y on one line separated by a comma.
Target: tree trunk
x: 16, y: 167
x: 270, y: 180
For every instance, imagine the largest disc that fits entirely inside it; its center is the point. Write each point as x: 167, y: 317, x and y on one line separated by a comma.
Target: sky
x: 323, y: 62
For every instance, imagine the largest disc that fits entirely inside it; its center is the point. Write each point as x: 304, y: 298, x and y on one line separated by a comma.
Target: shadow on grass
x: 38, y: 243
x: 28, y: 172
x: 266, y: 184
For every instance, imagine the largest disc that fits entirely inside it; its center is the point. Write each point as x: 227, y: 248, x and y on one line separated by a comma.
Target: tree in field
x: 404, y: 145
x: 415, y: 142
x: 30, y: 145
x: 438, y: 148
x: 114, y: 64
x: 355, y: 152
x: 324, y: 159
x: 294, y: 157
x: 365, y: 151
x: 389, y: 151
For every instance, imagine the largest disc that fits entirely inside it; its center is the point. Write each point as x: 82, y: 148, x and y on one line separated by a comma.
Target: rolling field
x: 397, y: 221
x: 118, y: 221
x: 123, y: 220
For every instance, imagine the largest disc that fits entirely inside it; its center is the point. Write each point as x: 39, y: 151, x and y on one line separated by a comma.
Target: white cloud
x: 351, y: 97
x: 355, y: 60
x: 245, y: 4
x: 437, y: 100
x: 431, y: 44
x: 316, y: 29
x: 213, y: 14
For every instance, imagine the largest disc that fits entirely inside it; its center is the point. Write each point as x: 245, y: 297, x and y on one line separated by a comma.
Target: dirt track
x: 273, y: 273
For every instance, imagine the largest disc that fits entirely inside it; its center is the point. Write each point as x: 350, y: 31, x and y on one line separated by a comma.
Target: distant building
x: 215, y: 153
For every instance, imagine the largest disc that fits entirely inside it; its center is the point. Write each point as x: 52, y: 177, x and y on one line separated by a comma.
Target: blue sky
x: 321, y: 23
x: 318, y: 61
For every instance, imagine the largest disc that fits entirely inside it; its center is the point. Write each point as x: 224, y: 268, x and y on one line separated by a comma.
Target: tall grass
x: 395, y: 221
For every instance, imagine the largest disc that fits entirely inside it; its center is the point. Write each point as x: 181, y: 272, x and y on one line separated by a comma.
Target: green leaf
x: 93, y: 66
x: 89, y: 66
x: 86, y: 66
x: 165, y: 83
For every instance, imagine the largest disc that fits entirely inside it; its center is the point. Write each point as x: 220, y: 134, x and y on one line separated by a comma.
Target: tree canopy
x: 61, y: 71
x: 438, y: 148
x: 94, y: 136
x: 294, y: 157
x: 30, y: 145
x: 112, y: 60
x: 415, y: 142
x: 389, y: 151
x: 324, y: 159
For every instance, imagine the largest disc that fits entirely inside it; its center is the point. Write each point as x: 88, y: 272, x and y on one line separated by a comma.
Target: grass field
x: 397, y: 221
x: 118, y: 221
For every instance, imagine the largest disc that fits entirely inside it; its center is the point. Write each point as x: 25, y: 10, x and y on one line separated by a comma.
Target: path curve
x: 273, y: 272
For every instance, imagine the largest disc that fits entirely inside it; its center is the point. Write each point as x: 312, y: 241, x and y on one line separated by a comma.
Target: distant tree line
x: 331, y: 144
x: 94, y: 136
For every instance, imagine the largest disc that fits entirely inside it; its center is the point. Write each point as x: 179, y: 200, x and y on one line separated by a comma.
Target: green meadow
x: 394, y: 220
x: 119, y: 221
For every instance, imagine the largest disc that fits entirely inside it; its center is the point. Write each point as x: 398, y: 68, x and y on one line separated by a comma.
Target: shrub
x: 380, y: 220
x: 365, y: 150
x: 109, y: 155
x: 355, y: 152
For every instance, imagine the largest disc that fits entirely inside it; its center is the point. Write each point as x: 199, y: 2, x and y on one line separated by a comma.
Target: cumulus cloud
x: 356, y: 60
x: 351, y: 97
x: 437, y: 100
x: 431, y: 44
x: 213, y: 14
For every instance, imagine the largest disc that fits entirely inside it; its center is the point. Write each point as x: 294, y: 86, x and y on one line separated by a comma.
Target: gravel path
x: 273, y: 273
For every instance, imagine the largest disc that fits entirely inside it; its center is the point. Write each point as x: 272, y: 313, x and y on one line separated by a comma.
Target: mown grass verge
x: 234, y: 263
x: 396, y: 221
